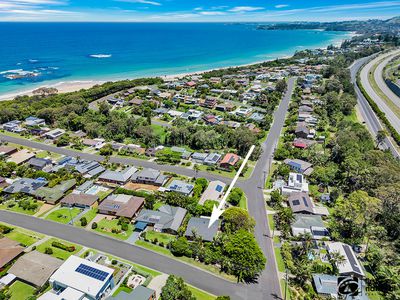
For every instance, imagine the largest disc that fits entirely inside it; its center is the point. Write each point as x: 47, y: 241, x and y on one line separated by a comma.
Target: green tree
x: 245, y: 259
x: 235, y: 218
x: 176, y: 289
x: 180, y: 247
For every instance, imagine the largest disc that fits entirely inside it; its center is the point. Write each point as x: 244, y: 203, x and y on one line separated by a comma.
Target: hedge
x: 63, y: 247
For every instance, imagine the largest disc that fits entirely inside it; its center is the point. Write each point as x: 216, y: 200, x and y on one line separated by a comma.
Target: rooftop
x: 200, y: 227
x: 82, y: 275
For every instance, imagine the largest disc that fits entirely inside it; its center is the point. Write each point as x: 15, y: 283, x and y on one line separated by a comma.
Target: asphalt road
x: 378, y: 75
x: 365, y: 71
x: 371, y: 119
x: 268, y: 284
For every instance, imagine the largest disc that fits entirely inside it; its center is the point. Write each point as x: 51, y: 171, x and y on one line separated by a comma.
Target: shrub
x: 48, y: 250
x: 94, y: 225
x: 63, y: 247
x: 114, y: 262
x: 83, y: 222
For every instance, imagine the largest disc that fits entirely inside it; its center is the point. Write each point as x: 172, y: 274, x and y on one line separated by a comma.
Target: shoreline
x: 76, y: 85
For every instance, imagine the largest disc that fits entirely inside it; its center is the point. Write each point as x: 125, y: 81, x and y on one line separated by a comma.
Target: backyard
x: 20, y: 291
x: 90, y: 215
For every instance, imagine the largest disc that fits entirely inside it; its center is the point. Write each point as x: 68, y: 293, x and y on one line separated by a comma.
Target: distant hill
x: 370, y: 26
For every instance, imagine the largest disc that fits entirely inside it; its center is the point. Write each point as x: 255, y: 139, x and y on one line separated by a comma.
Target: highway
x: 365, y: 71
x: 378, y: 76
x: 371, y: 119
x: 268, y: 284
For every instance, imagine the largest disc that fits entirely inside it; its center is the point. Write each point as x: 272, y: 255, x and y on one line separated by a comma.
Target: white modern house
x: 79, y: 279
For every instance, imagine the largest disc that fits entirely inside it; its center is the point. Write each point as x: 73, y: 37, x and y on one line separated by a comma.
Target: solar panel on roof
x: 305, y: 201
x: 218, y: 188
x: 91, y: 272
x: 295, y: 202
x: 352, y: 259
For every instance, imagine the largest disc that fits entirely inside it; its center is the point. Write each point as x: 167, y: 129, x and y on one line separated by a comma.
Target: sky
x: 195, y: 10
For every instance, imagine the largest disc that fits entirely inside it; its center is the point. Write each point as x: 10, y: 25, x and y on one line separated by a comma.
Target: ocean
x: 35, y: 54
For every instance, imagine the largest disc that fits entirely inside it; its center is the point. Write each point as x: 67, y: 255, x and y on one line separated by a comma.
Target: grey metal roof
x: 180, y: 187
x: 119, y: 176
x: 325, y: 284
x: 39, y: 162
x: 167, y: 217
x: 147, y: 174
x: 200, y: 226
x: 25, y: 185
x: 139, y: 293
x: 307, y: 221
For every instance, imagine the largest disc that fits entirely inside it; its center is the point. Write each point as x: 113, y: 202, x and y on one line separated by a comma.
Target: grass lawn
x: 63, y: 215
x: 200, y: 294
x: 57, y: 252
x: 20, y: 291
x: 103, y: 194
x: 122, y: 289
x: 89, y: 217
x: 271, y: 222
x: 243, y: 202
x: 161, y: 237
x: 105, y: 226
x: 19, y: 209
x: 283, y: 285
x: 159, y: 131
x: 22, y: 238
x: 352, y: 117
x: 164, y: 251
x: 279, y: 260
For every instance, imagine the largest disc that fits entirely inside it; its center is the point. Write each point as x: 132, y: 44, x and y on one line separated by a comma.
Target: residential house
x: 35, y: 267
x: 257, y: 117
x: 192, y: 115
x: 78, y: 278
x: 34, y: 122
x: 150, y: 176
x: 13, y: 126
x: 118, y: 177
x: 166, y: 219
x: 302, y: 130
x: 296, y: 183
x: 199, y: 227
x: 350, y: 266
x: 7, y: 150
x: 25, y: 185
x: 54, y: 134
x: 300, y: 202
x: 213, y: 192
x: 311, y: 224
x: 209, y: 102
x: 212, y: 159
x: 21, y: 157
x: 299, y: 165
x: 121, y: 205
x: 198, y: 157
x: 229, y: 161
x: 80, y: 200
x: 9, y: 250
x: 139, y: 293
x: 39, y: 163
x: 224, y: 107
x: 54, y: 194
x: 303, y: 143
x: 243, y: 111
x: 326, y: 285
x: 181, y: 187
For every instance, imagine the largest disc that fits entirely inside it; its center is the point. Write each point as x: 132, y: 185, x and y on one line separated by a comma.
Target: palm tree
x: 336, y: 259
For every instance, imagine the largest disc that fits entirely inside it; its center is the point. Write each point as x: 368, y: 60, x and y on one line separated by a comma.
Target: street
x: 371, y: 119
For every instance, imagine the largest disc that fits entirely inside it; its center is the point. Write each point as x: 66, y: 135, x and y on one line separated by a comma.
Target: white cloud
x: 212, y: 13
x: 35, y: 2
x: 281, y: 5
x: 239, y: 9
x: 141, y: 2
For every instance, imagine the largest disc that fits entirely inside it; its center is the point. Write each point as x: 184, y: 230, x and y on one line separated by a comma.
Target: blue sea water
x: 33, y: 54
